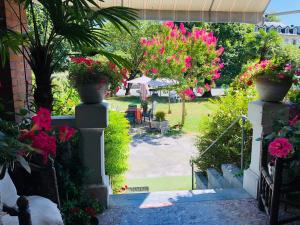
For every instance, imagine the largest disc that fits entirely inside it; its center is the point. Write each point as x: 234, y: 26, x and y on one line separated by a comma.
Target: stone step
x: 168, y: 198
x: 201, y: 180
x: 216, y: 180
x: 232, y: 175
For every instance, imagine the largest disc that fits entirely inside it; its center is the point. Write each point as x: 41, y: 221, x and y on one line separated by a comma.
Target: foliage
x: 233, y: 37
x: 294, y: 96
x: 117, y: 141
x: 274, y: 70
x: 79, y: 22
x: 191, y: 58
x: 228, y: 148
x: 78, y: 207
x: 263, y: 45
x: 160, y: 116
x: 128, y: 45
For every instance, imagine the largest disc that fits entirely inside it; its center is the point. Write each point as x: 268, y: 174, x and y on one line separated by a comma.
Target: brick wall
x: 17, y: 71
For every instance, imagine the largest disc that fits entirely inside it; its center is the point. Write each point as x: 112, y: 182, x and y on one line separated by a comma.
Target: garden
x: 79, y: 59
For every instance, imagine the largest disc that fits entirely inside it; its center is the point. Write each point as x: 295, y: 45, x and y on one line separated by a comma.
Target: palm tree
x: 79, y: 22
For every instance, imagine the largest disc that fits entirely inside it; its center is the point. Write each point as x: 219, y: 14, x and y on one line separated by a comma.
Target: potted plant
x: 273, y: 79
x: 160, y: 122
x: 284, y: 143
x: 90, y: 79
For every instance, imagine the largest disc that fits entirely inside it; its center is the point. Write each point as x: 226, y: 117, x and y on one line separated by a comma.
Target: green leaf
x: 24, y: 163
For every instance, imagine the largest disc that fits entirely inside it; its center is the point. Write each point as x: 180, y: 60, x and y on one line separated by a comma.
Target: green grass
x: 195, y: 110
x: 163, y: 183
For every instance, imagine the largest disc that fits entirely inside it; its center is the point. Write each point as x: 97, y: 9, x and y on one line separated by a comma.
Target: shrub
x: 117, y: 140
x: 160, y: 116
x: 226, y: 150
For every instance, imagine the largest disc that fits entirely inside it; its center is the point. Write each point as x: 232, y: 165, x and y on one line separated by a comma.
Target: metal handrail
x: 244, y: 119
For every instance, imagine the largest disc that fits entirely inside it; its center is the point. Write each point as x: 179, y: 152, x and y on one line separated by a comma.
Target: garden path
x: 160, y: 156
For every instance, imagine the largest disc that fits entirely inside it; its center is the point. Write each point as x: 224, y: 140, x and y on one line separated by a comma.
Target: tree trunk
x: 127, y: 92
x: 183, y: 112
x: 169, y: 98
x: 43, y: 96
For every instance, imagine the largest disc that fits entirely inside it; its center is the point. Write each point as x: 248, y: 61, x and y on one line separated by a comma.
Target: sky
x: 286, y: 5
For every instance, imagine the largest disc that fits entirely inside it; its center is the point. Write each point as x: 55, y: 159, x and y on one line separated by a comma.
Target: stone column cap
x: 92, y: 115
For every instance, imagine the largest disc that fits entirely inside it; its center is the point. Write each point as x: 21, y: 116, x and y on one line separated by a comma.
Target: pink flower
x: 182, y: 29
x: 221, y: 65
x: 280, y: 147
x: 281, y: 75
x: 208, y: 87
x: 264, y: 63
x: 45, y: 143
x: 161, y: 50
x: 293, y: 121
x: 220, y: 51
x: 169, y: 24
x: 288, y: 67
x: 174, y: 33
x: 188, y: 92
x: 216, y: 76
x: 154, y: 70
x: 65, y: 133
x: 143, y: 41
x: 42, y: 119
x: 297, y: 72
x: 187, y: 61
x: 200, y: 90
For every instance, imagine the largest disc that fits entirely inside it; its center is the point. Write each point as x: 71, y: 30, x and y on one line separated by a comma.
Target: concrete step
x: 232, y: 175
x: 216, y: 180
x: 168, y: 198
x: 201, y: 180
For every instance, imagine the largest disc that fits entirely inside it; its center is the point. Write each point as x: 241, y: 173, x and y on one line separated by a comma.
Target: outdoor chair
x: 148, y: 114
x: 272, y: 193
x: 130, y: 116
x: 41, y: 204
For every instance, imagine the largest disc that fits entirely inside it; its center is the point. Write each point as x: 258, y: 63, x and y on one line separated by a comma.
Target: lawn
x: 163, y: 183
x: 195, y: 110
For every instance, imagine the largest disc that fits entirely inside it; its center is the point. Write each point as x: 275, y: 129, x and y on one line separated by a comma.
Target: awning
x: 243, y: 11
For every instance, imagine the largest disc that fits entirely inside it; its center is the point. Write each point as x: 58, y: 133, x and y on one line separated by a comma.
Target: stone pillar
x: 261, y: 115
x: 15, y: 79
x: 92, y: 119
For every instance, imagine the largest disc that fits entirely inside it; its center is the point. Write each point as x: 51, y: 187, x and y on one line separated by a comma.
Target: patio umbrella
x: 140, y: 80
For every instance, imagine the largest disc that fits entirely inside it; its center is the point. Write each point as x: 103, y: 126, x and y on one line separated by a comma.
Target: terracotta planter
x: 92, y: 93
x: 272, y: 91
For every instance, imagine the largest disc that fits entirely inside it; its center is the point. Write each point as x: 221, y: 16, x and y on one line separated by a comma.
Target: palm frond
x: 116, y: 59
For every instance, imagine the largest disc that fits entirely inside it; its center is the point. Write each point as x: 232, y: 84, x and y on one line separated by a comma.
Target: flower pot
x: 288, y: 174
x: 92, y: 93
x: 272, y: 91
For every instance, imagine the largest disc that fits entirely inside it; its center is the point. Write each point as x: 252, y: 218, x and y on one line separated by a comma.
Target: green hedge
x: 117, y: 140
x: 227, y: 150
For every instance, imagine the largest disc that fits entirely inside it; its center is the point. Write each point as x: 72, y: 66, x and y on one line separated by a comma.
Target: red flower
x: 43, y: 119
x: 45, y: 143
x: 249, y: 82
x: 75, y: 210
x: 65, y: 133
x: 90, y: 211
x: 280, y: 147
x: 26, y: 135
x: 293, y: 121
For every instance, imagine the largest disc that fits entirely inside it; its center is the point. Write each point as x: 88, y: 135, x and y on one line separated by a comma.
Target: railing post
x: 192, y: 165
x: 244, y: 119
x: 261, y: 115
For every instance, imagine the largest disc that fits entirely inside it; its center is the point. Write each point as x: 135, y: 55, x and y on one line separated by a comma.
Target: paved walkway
x: 209, y: 207
x: 160, y: 156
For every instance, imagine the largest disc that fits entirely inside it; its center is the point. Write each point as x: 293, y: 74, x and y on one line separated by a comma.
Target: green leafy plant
x: 117, y: 139
x: 79, y: 22
x: 160, y: 116
x: 228, y: 148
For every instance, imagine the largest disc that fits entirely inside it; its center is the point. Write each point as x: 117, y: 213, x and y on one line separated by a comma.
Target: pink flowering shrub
x: 43, y: 137
x: 271, y: 69
x: 188, y: 57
